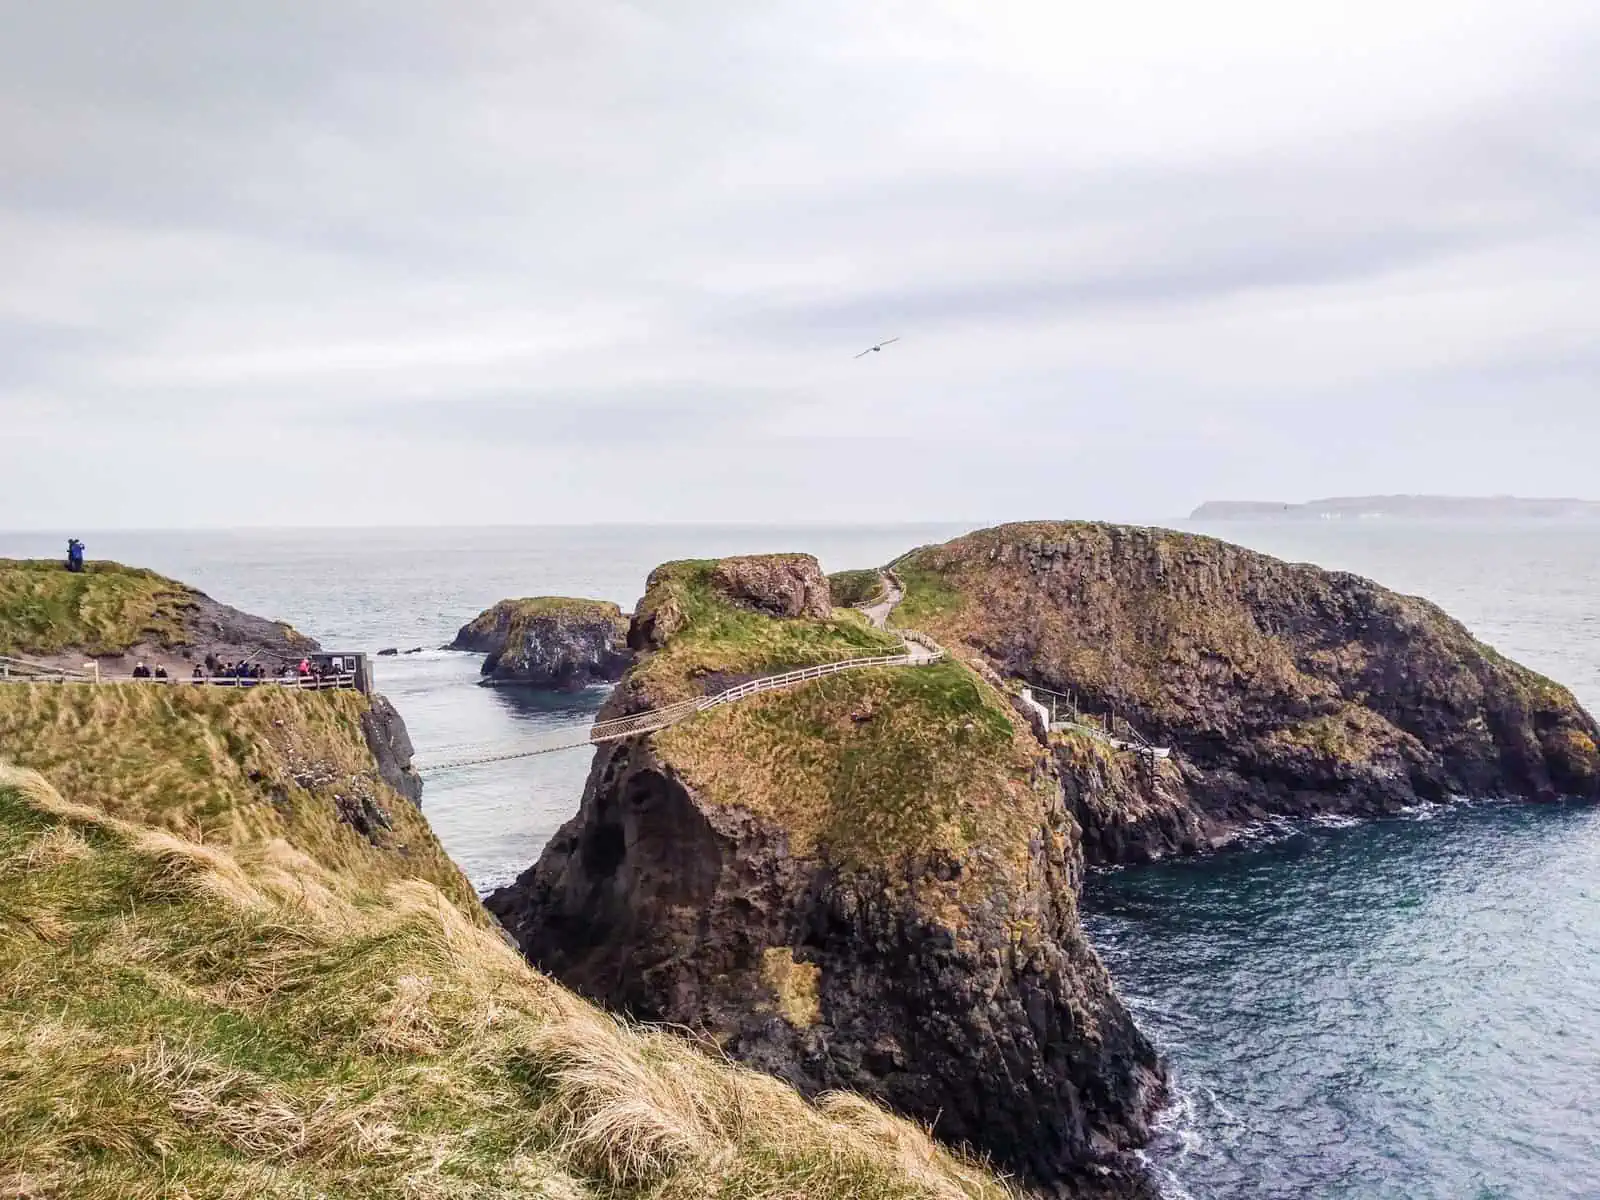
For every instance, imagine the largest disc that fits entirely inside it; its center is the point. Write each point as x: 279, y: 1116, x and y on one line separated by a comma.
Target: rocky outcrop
x: 551, y: 642
x: 227, y: 633
x: 784, y: 585
x: 1283, y: 689
x: 867, y: 885
x: 390, y: 742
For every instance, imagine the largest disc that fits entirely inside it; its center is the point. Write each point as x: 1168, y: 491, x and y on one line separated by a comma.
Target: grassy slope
x: 105, y: 609
x: 208, y: 986
x: 720, y: 638
x: 868, y: 766
x: 865, y: 766
x: 856, y: 587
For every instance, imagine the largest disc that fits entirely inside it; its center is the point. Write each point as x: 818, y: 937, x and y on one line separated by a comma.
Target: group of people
x: 216, y: 668
x: 245, y: 673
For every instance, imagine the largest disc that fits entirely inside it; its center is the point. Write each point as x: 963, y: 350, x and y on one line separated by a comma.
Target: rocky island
x: 556, y: 643
x: 867, y: 883
x: 238, y: 962
x: 1282, y: 689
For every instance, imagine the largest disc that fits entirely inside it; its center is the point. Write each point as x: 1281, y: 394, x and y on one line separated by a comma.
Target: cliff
x: 236, y: 961
x: 112, y: 612
x: 1282, y: 688
x: 553, y: 642
x: 867, y: 882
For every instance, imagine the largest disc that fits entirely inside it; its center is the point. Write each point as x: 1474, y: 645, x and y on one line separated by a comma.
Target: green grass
x: 106, y: 608
x: 715, y: 637
x: 851, y: 588
x: 929, y: 596
x: 202, y: 995
x: 869, y: 767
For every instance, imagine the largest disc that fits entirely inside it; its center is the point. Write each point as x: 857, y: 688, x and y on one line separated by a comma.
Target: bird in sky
x: 874, y: 349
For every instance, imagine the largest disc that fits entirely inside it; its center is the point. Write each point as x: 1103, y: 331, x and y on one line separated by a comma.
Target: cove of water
x: 1408, y: 1008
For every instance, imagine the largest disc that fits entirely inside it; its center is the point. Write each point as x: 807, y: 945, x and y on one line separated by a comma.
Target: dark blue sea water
x: 1402, y: 1009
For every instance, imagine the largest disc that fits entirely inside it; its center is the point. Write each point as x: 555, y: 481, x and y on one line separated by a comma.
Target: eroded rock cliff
x: 553, y: 642
x: 868, y: 882
x: 1281, y: 687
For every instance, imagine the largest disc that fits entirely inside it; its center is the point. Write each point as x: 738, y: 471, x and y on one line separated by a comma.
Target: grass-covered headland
x: 233, y: 962
x: 103, y: 609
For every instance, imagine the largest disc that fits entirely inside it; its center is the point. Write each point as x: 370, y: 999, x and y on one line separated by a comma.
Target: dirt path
x: 893, y: 593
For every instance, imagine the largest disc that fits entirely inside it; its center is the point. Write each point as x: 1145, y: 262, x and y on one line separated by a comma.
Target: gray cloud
x: 1136, y: 256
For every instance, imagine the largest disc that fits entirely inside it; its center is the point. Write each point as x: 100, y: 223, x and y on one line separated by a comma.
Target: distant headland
x: 1494, y: 508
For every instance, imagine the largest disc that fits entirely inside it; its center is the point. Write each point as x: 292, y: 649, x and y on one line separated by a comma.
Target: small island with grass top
x: 554, y: 643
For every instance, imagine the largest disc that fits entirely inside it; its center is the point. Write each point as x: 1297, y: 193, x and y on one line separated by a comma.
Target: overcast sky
x: 401, y: 262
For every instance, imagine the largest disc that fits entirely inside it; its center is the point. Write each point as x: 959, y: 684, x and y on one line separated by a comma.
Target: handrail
x: 310, y: 683
x: 655, y: 719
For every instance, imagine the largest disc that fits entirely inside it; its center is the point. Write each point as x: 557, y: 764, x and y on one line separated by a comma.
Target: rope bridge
x: 919, y: 651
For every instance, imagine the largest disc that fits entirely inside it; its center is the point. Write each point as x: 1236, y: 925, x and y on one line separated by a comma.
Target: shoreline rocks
x: 556, y: 643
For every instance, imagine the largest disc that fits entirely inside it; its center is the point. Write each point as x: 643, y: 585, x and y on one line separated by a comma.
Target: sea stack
x: 556, y: 643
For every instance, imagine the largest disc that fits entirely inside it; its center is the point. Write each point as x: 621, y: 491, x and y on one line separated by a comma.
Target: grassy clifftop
x: 508, y: 620
x: 106, y: 608
x: 109, y: 609
x: 866, y: 766
x: 234, y: 962
x: 1305, y: 681
x: 699, y: 631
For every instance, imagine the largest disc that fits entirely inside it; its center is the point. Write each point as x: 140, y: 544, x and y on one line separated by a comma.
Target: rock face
x: 390, y: 742
x: 868, y: 884
x: 1282, y: 688
x: 784, y: 585
x: 551, y: 642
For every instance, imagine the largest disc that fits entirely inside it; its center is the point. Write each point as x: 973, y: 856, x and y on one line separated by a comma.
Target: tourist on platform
x: 161, y: 671
x: 140, y: 671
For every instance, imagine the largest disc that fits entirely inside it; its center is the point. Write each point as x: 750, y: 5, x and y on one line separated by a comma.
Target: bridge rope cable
x: 920, y: 651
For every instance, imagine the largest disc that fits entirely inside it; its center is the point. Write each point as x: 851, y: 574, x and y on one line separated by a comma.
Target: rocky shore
x: 556, y: 643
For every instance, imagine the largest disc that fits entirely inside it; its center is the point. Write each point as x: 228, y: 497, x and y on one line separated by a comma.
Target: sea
x: 1407, y: 1008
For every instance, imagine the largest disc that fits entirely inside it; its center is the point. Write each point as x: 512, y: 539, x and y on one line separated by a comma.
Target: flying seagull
x: 879, y: 346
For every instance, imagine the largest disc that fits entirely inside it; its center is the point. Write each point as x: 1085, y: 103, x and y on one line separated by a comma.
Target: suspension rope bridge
x: 919, y: 651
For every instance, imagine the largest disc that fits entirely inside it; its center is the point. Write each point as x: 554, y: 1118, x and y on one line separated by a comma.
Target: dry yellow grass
x: 196, y: 1002
x: 224, y: 766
